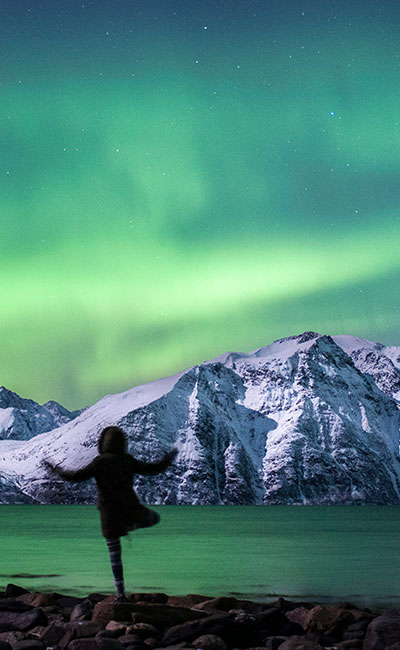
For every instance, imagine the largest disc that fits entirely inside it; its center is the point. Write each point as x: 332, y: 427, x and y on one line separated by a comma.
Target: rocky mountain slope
x: 22, y: 419
x: 310, y: 419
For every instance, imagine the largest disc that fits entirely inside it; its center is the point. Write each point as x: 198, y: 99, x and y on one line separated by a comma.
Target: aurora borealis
x: 179, y: 179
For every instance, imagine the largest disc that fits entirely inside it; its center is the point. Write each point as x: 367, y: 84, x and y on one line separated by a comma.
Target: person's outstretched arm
x: 83, y: 474
x: 155, y: 468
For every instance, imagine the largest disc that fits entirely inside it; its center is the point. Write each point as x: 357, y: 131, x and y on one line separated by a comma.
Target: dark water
x: 316, y: 553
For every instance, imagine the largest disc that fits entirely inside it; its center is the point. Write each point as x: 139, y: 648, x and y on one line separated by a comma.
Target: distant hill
x: 22, y: 419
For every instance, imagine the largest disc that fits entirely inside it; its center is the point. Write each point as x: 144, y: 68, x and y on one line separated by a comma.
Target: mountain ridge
x: 21, y: 418
x: 309, y: 419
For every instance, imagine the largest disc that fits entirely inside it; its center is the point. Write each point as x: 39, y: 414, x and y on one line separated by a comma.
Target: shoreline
x: 32, y: 620
x: 374, y: 603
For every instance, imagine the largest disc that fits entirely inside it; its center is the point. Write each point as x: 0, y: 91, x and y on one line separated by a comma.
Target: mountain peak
x: 300, y: 338
x: 308, y: 336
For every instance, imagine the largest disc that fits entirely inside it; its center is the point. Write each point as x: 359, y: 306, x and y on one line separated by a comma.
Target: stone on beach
x: 226, y: 603
x: 79, y: 630
x: 83, y: 644
x: 29, y: 644
x: 323, y: 618
x: 190, y: 600
x: 5, y: 646
x: 82, y: 611
x: 300, y: 643
x: 37, y: 599
x: 209, y: 642
x: 53, y: 634
x: 160, y: 615
x: 224, y: 625
x: 107, y: 643
x: 117, y: 626
x: 15, y: 615
x: 383, y: 631
x: 35, y: 621
x: 11, y: 638
x: 146, y: 629
x: 13, y: 591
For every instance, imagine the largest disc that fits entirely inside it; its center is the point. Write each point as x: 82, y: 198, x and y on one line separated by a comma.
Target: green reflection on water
x: 313, y: 552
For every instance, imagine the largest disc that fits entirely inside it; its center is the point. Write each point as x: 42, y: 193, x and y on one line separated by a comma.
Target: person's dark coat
x: 114, y: 469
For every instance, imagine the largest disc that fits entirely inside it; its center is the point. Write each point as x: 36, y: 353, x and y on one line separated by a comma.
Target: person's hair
x: 112, y: 440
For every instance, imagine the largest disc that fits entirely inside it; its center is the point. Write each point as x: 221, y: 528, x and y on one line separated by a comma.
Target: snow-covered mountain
x: 310, y: 419
x: 21, y: 419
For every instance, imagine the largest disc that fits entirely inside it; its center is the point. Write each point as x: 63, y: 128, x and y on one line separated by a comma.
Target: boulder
x: 144, y: 629
x: 67, y: 602
x: 158, y: 598
x: 156, y: 614
x: 328, y: 619
x: 139, y: 618
x: 107, y: 643
x: 274, y: 642
x: 13, y: 591
x: 163, y: 616
x: 83, y: 629
x: 113, y: 634
x: 320, y: 639
x: 358, y: 629
x: 14, y: 605
x: 11, y: 638
x: 209, y: 642
x: 383, y: 631
x: 273, y: 621
x: 53, y: 633
x: 179, y: 634
x: 350, y: 644
x: 79, y: 630
x: 299, y: 615
x: 130, y: 639
x: 108, y: 609
x: 37, y: 632
x: 117, y: 626
x: 83, y: 644
x: 82, y: 611
x: 191, y: 600
x: 37, y: 599
x: 15, y: 615
x: 234, y: 633
x: 29, y: 644
x: 299, y: 643
x: 225, y: 604
x: 5, y: 646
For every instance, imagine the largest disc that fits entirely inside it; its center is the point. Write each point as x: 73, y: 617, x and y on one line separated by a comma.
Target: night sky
x: 180, y: 178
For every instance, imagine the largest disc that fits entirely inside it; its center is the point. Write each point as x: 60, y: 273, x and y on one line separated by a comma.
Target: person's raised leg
x: 114, y: 548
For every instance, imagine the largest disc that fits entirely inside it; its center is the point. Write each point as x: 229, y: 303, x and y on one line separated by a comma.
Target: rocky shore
x: 40, y: 621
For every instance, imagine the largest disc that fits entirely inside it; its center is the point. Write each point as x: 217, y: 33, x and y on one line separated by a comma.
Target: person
x: 120, y: 509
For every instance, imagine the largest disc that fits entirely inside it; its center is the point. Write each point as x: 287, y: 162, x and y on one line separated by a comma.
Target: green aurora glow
x: 170, y: 192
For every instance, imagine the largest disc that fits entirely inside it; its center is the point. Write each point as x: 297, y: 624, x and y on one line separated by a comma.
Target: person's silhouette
x: 120, y: 509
